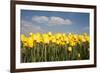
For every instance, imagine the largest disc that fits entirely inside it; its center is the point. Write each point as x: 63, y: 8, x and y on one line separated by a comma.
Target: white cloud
x: 27, y: 27
x: 59, y: 21
x: 40, y: 19
x: 53, y: 20
x: 56, y: 20
x: 68, y: 21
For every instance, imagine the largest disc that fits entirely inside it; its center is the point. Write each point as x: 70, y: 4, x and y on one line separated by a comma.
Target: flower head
x: 70, y: 49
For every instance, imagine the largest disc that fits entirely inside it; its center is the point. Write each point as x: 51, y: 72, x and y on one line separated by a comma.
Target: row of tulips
x: 54, y: 47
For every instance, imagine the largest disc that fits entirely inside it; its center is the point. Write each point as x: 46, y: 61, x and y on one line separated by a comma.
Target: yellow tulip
x: 46, y: 40
x: 83, y: 39
x: 60, y: 39
x: 30, y: 42
x: 49, y: 33
x: 72, y: 43
x: 70, y: 49
x: 78, y: 55
x: 62, y: 43
x: 58, y: 42
x: 54, y: 40
x: 22, y: 38
x: 63, y: 34
x: 25, y: 44
x: 30, y: 33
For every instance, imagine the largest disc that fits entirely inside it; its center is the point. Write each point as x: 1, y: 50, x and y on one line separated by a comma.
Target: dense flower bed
x: 54, y: 47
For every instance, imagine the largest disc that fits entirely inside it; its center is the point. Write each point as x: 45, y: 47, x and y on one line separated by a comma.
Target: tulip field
x: 37, y: 47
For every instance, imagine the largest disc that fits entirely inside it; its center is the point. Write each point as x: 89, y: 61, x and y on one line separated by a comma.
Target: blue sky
x: 54, y: 21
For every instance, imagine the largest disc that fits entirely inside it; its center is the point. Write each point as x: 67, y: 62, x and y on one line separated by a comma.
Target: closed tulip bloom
x: 70, y: 49
x: 78, y: 55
